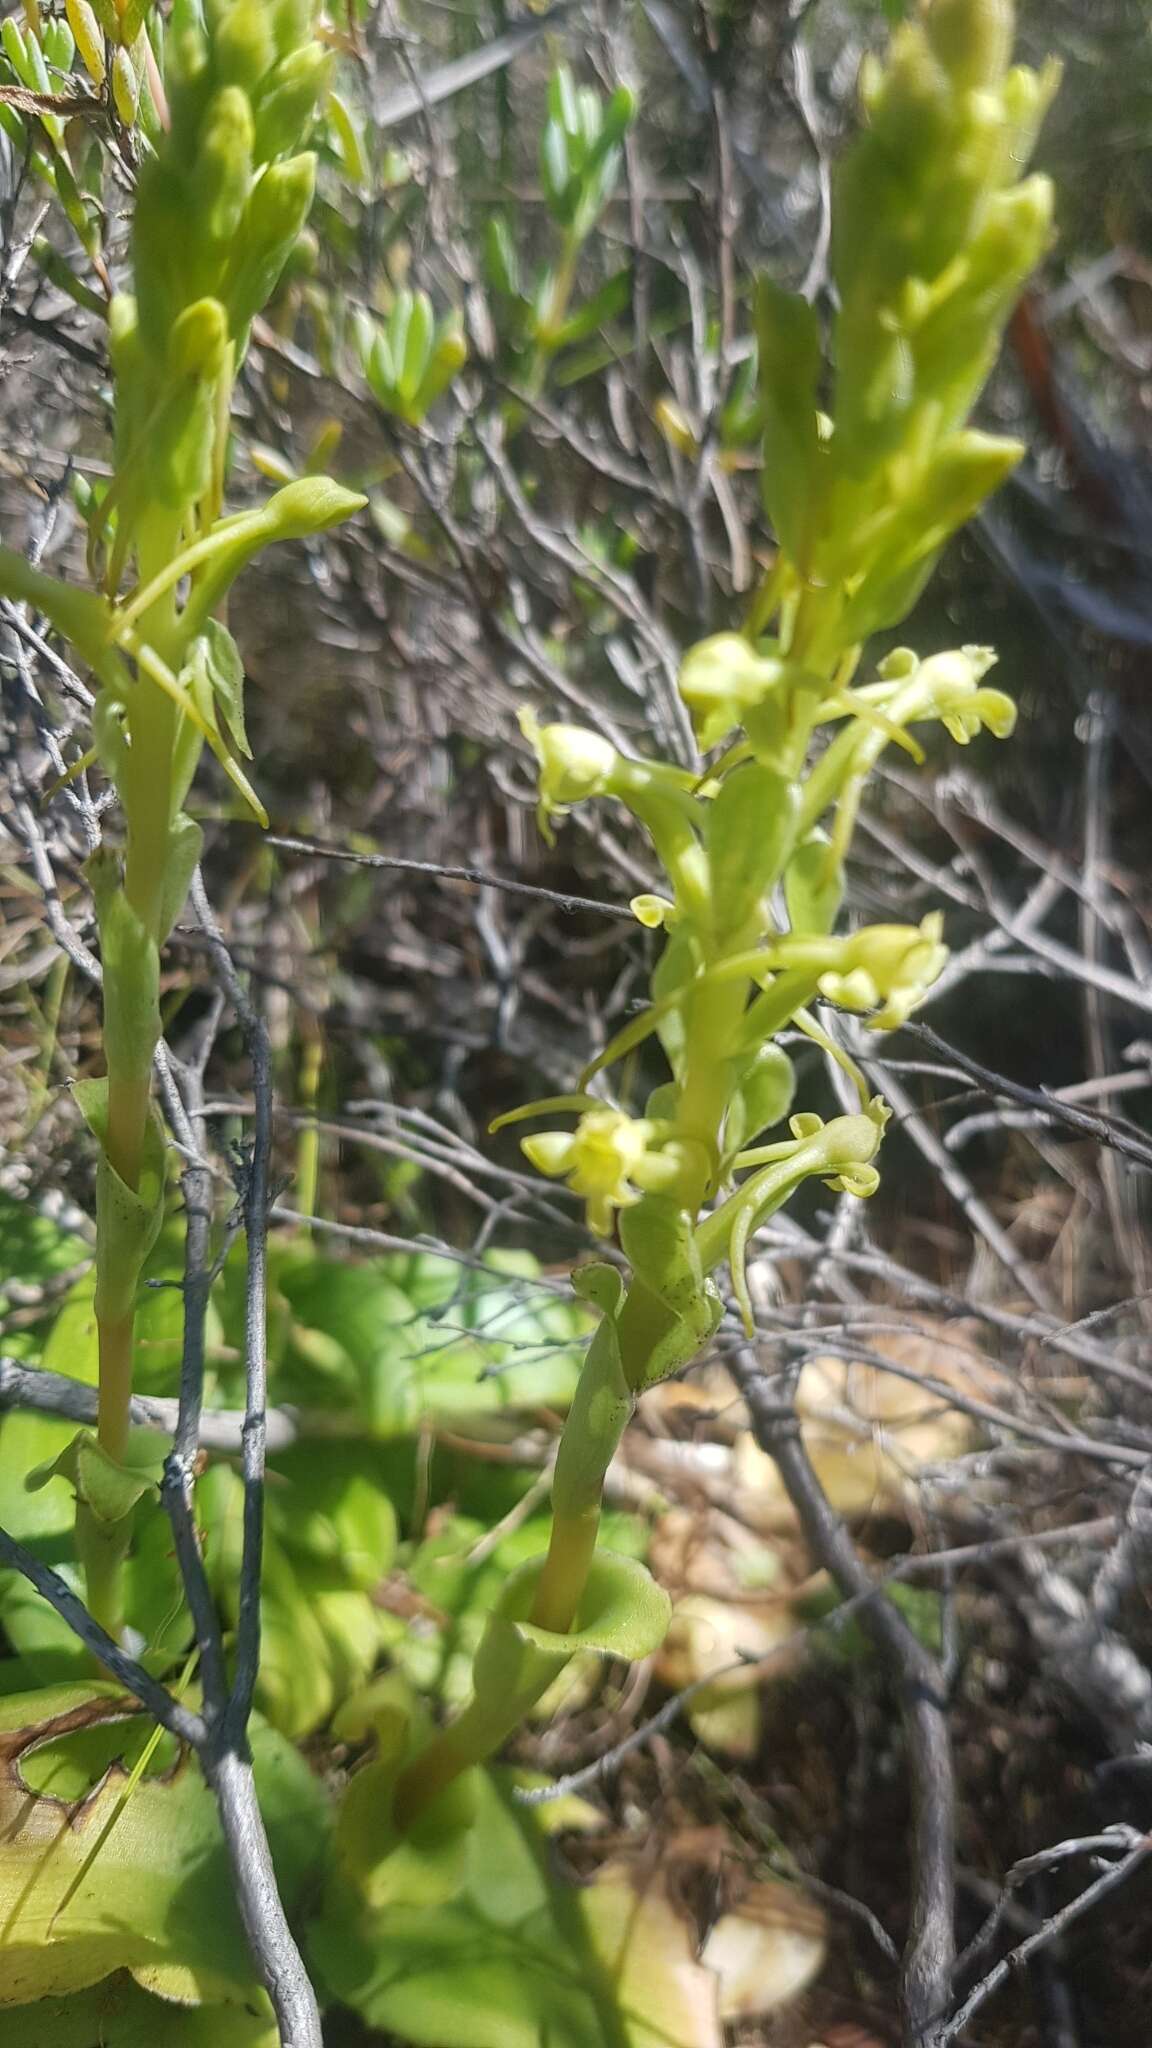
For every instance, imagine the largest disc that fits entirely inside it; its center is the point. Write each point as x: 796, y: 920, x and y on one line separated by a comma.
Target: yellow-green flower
x: 887, y: 969
x: 607, y: 1159
x: 953, y: 691
x: 723, y: 677
x: 574, y: 764
x: 655, y: 913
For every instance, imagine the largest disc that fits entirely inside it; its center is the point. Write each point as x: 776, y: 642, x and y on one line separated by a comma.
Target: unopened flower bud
x: 273, y: 219
x: 972, y: 39
x: 285, y: 111
x: 222, y: 175
x: 721, y: 678
x: 198, y: 339
x: 243, y: 44
x: 574, y: 764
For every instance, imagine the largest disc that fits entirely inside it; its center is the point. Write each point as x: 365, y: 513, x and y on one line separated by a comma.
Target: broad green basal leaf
x: 118, y: 2014
x: 155, y: 1898
x: 408, y: 1341
x: 514, y: 1959
x: 321, y: 1633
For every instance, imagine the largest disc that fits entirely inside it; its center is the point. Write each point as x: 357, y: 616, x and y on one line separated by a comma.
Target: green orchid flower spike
x: 223, y: 196
x: 869, y: 464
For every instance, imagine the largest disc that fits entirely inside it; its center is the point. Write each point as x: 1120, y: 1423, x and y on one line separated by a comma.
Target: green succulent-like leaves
x: 412, y: 358
x: 624, y: 1613
x: 580, y: 150
x: 513, y: 1956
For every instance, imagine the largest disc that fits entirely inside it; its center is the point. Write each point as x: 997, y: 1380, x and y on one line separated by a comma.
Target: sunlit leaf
x: 157, y: 1894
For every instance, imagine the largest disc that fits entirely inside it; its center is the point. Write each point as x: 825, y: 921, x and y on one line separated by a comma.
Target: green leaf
x: 618, y: 114
x: 185, y: 845
x: 674, y: 970
x: 414, y: 357
x: 108, y: 1486
x: 225, y: 673
x: 556, y: 170
x: 761, y: 1099
x: 118, y: 2014
x: 424, y: 1868
x: 751, y: 828
x: 660, y: 1243
x: 321, y: 1633
x: 604, y: 305
x: 497, y: 1345
x: 460, y: 1577
x: 44, y: 1520
x: 81, y: 617
x: 601, y: 1285
x: 790, y: 356
x: 127, y: 1220
x: 813, y: 887
x: 516, y: 1959
x: 35, y: 1248
x: 623, y: 1613
x: 501, y: 258
x: 562, y: 102
x: 381, y: 370
x: 349, y: 139
x: 330, y: 1507
x: 156, y: 1898
x: 599, y: 179
x: 448, y: 357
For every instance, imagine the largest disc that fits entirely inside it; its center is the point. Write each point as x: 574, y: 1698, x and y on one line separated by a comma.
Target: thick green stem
x: 147, y: 797
x: 128, y: 1098
x: 605, y: 1397
x: 714, y: 1020
x: 475, y: 1735
x: 101, y: 1548
x: 114, y: 1411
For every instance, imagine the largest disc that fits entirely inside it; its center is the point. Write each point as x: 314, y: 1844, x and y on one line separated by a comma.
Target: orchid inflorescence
x: 223, y: 195
x: 868, y: 466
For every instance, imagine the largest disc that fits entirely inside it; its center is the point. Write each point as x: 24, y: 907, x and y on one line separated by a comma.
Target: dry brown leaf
x: 868, y: 1431
x: 650, y: 1953
x: 767, y: 1951
x: 707, y: 1635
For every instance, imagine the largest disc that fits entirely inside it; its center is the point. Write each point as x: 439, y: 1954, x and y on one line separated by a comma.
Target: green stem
x: 115, y: 1396
x: 101, y: 1548
x: 552, y: 317
x: 147, y: 798
x: 714, y: 1023
x: 603, y: 1403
